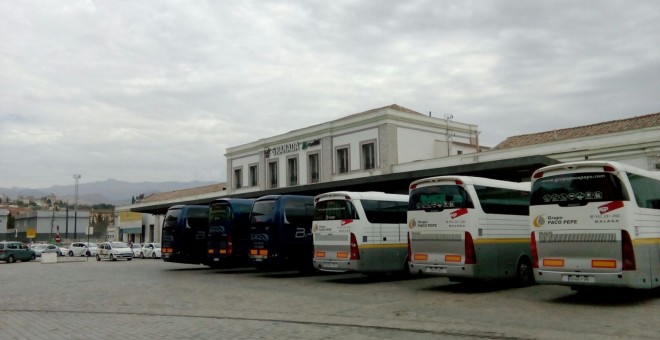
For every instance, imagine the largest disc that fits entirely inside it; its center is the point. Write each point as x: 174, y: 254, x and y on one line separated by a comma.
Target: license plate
x: 331, y: 265
x: 578, y: 278
x: 436, y: 270
x: 215, y: 259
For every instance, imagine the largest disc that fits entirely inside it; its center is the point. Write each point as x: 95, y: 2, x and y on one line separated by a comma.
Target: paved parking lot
x: 78, y: 298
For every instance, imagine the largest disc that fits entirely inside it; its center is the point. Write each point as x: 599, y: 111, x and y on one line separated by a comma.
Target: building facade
x: 360, y: 145
x: 136, y: 227
x: 44, y: 225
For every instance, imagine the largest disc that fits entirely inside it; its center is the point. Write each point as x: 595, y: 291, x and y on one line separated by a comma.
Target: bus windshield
x: 262, y: 211
x: 335, y: 210
x: 439, y: 197
x: 577, y: 189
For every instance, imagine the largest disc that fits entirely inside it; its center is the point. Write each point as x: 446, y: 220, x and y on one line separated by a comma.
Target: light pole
x: 76, y: 178
x: 448, y: 117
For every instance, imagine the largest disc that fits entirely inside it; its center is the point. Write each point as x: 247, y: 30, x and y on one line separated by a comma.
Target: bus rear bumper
x: 621, y: 279
x: 466, y: 271
x: 333, y: 266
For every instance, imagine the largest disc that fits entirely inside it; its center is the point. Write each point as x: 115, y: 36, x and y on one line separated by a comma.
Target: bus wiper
x: 572, y: 204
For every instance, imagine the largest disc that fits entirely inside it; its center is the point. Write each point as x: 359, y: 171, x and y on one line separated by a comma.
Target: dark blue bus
x: 184, y: 234
x: 280, y: 232
x: 228, y: 232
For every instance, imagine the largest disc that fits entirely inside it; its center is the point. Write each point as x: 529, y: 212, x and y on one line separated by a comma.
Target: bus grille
x: 319, y: 237
x: 436, y: 237
x: 549, y: 237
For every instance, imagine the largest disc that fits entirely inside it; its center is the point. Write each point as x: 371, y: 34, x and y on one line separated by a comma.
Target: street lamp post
x: 76, y: 178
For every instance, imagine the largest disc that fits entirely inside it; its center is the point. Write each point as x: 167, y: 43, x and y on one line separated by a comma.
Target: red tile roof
x: 164, y: 196
x: 614, y: 126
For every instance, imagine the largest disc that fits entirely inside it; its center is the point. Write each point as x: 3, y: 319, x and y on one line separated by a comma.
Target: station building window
x: 313, y: 167
x: 238, y: 177
x: 342, y: 159
x: 368, y: 156
x: 292, y: 171
x: 254, y: 175
x: 272, y: 174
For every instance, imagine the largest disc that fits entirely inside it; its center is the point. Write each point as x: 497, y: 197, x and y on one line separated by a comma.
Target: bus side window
x: 298, y: 212
x: 647, y: 191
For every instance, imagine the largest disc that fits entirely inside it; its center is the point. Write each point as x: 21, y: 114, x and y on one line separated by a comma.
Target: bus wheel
x: 524, y: 272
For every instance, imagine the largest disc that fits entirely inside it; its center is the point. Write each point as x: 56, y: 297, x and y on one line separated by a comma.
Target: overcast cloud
x: 157, y: 90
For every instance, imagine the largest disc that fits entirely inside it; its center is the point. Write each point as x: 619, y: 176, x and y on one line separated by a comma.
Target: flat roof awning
x: 513, y: 169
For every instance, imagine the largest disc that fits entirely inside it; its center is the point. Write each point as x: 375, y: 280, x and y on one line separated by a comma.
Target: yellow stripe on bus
x: 646, y: 241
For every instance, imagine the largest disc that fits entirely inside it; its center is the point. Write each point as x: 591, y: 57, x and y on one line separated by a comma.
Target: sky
x: 157, y: 90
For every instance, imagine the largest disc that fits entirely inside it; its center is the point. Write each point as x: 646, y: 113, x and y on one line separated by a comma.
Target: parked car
x: 41, y: 248
x: 137, y: 248
x: 113, y: 251
x: 63, y: 250
x: 82, y: 249
x: 12, y: 251
x: 150, y: 249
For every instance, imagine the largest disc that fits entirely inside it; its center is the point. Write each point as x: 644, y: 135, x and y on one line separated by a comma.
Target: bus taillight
x: 470, y: 254
x: 608, y: 168
x: 537, y: 175
x: 355, y: 251
x: 535, y: 254
x: 627, y: 252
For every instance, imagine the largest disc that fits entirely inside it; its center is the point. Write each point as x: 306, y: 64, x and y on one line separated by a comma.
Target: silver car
x: 41, y: 248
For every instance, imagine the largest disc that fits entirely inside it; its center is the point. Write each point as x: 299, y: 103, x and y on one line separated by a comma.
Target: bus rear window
x: 335, y: 210
x: 577, y: 189
x: 262, y: 211
x: 220, y: 212
x: 439, y: 197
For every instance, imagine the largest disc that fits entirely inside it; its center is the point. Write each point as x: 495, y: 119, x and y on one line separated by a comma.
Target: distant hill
x: 110, y: 191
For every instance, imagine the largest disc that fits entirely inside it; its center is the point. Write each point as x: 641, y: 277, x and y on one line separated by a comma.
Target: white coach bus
x: 596, y: 223
x: 464, y: 228
x: 360, y: 231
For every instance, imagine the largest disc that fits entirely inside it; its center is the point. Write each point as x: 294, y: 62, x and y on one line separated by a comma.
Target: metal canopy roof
x: 514, y: 169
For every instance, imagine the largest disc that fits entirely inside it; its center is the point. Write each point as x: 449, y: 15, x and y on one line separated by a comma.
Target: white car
x: 113, y: 251
x: 137, y: 249
x: 82, y: 249
x: 150, y: 249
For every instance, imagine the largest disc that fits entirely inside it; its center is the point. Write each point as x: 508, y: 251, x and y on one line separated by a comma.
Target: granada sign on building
x: 290, y: 147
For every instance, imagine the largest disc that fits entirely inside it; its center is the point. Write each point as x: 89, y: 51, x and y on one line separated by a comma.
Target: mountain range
x: 110, y: 191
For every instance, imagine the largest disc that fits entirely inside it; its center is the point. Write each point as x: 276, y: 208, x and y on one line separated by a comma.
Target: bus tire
x: 524, y: 272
